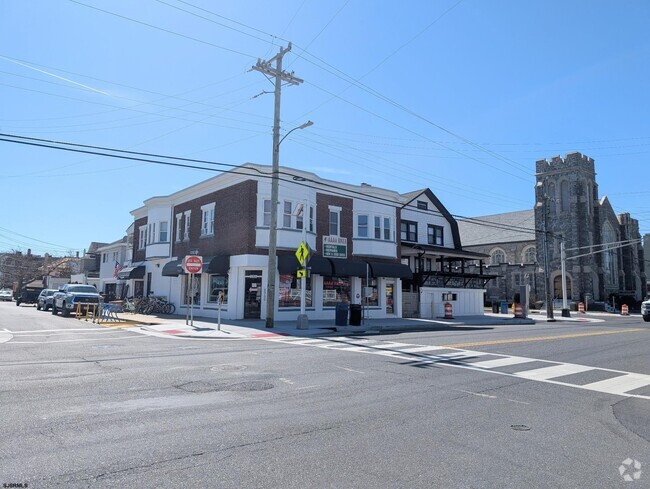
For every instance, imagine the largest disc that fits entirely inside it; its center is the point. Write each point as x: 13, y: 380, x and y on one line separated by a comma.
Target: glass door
x: 253, y: 294
x: 390, y: 295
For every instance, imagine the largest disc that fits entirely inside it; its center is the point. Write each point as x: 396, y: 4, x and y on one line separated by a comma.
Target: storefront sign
x: 335, y: 247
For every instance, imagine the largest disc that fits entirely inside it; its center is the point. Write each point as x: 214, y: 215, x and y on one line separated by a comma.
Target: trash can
x: 342, y: 309
x: 355, y: 314
x: 504, y: 307
x: 495, y: 307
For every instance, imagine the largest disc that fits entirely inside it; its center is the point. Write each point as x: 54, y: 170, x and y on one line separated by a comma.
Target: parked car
x: 28, y: 295
x: 69, y: 296
x: 6, y: 295
x: 44, y: 300
x: 645, y: 310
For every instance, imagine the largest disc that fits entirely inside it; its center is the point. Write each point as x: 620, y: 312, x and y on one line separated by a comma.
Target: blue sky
x: 520, y: 80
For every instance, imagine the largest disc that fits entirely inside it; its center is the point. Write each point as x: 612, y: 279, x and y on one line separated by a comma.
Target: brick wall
x: 138, y: 255
x: 323, y: 201
x: 234, y: 223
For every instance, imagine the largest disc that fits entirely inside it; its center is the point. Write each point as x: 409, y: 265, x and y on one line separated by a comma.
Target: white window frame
x: 186, y: 231
x: 312, y: 213
x: 266, y: 213
x: 207, y: 219
x: 364, y: 227
x: 160, y: 232
x: 142, y: 238
x: 179, y: 223
x: 334, y: 210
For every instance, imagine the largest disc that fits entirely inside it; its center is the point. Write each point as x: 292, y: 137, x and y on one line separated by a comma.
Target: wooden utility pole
x: 267, y: 69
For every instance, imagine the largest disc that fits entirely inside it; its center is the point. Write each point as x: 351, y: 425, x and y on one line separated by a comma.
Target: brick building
x: 363, y: 251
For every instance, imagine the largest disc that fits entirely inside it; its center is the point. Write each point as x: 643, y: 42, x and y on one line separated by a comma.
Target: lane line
x: 543, y: 338
x: 73, y: 341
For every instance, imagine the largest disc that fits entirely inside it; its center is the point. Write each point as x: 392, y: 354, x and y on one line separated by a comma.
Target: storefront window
x: 335, y: 290
x: 289, y: 294
x: 218, y: 285
x: 370, y: 293
x: 192, y: 288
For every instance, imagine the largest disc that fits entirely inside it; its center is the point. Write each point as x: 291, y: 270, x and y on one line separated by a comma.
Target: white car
x: 6, y: 295
x: 645, y: 310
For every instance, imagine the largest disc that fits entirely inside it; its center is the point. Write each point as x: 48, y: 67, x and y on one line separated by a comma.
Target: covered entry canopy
x: 218, y: 264
x: 133, y: 272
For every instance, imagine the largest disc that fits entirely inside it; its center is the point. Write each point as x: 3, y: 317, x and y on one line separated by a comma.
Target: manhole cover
x: 228, y: 367
x: 249, y: 386
x: 520, y: 427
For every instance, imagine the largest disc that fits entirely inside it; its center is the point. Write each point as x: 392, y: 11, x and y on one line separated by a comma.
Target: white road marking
x: 422, y: 348
x: 133, y: 337
x: 477, y: 394
x: 502, y: 362
x: 350, y: 369
x: 55, y: 330
x: 307, y: 342
x: 554, y: 371
x: 621, y: 384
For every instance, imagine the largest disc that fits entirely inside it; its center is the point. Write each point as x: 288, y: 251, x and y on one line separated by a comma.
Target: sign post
x: 303, y: 253
x: 192, y: 264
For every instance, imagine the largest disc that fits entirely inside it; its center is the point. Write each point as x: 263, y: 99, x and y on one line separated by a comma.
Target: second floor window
x: 179, y: 224
x: 207, y: 220
x: 335, y: 222
x: 162, y: 232
x: 435, y: 235
x: 151, y: 233
x: 142, y: 242
x: 287, y: 216
x: 362, y: 226
x: 186, y: 233
x: 311, y: 219
x: 267, y: 213
x: 409, y: 231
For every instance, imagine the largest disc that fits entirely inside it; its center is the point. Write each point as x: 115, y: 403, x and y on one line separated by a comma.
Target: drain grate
x: 520, y: 427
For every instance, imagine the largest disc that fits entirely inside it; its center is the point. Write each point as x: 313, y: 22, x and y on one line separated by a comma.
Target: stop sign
x: 193, y: 264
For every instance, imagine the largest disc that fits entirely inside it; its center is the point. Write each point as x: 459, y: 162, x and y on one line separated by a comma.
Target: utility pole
x: 565, y: 307
x: 266, y: 68
x: 549, y: 299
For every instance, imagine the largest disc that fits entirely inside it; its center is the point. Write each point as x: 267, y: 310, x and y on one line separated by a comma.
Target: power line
x: 296, y: 179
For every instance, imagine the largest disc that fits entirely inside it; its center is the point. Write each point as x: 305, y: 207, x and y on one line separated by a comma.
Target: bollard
x: 624, y: 310
x: 448, y: 311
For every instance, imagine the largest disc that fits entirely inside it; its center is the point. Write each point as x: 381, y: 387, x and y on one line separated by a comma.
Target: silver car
x: 44, y: 300
x: 6, y: 295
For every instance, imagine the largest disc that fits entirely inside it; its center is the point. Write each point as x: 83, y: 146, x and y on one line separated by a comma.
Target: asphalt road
x: 86, y: 406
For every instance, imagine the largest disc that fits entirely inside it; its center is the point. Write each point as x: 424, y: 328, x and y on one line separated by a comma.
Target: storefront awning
x: 128, y: 273
x: 288, y: 264
x: 219, y: 264
x: 349, y: 268
x: 394, y: 270
x: 172, y: 268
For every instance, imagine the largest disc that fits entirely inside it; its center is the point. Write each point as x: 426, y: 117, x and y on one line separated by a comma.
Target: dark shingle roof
x: 498, y: 228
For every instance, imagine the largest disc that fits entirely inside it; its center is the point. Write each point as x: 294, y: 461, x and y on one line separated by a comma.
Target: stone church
x: 604, y: 251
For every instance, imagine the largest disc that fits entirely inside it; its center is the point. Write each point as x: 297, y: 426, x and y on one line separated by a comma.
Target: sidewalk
x: 204, y: 328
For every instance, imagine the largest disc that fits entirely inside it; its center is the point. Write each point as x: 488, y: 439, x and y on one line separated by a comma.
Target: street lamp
x: 273, y: 229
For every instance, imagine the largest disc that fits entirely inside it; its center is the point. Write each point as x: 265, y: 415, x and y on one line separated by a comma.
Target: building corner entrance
x: 252, y: 294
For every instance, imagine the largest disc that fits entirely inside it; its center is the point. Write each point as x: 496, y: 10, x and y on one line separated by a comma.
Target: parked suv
x: 69, y: 296
x: 645, y: 310
x: 44, y: 300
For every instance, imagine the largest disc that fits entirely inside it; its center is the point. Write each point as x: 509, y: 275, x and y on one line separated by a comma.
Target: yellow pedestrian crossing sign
x: 301, y: 273
x: 302, y: 253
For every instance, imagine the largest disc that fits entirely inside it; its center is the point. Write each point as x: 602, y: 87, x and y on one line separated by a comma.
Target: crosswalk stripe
x: 308, y: 342
x: 554, y: 371
x: 620, y: 384
x: 422, y: 348
x: 502, y: 362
